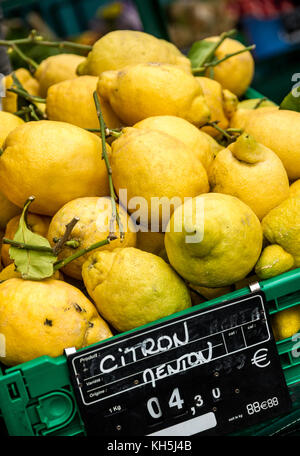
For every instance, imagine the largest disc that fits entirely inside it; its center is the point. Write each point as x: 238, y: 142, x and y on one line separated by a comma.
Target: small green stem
x: 113, y: 196
x: 215, y: 125
x: 34, y: 38
x: 79, y: 253
x: 27, y: 59
x: 62, y: 241
x: 217, y: 62
x: 23, y: 246
x: 27, y: 96
x: 260, y: 102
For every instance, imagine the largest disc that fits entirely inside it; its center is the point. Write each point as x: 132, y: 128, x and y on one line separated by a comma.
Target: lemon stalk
x: 31, y: 62
x: 26, y: 95
x: 34, y: 38
x: 113, y: 196
x: 225, y: 133
x: 23, y: 246
x: 217, y: 62
x: 64, y: 240
x: 62, y: 263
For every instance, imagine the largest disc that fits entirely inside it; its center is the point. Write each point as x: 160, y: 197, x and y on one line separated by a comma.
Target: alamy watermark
x: 296, y: 87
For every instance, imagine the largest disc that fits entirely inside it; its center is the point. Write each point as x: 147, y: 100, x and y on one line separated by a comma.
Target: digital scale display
x: 208, y: 372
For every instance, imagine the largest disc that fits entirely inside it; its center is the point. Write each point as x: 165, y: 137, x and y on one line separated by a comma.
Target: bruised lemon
x: 50, y: 315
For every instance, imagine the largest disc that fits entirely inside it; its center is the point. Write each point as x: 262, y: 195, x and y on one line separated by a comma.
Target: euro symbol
x: 260, y: 358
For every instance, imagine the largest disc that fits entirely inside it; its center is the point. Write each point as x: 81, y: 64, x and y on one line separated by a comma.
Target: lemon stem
x: 62, y: 241
x: 219, y: 129
x: 62, y: 263
x: 260, y: 102
x: 34, y: 38
x: 226, y: 57
x: 23, y: 246
x: 27, y: 95
x: 31, y: 62
x: 115, y: 214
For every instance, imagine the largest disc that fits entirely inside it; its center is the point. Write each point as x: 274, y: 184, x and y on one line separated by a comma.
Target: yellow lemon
x: 93, y: 226
x: 273, y: 261
x: 215, y: 99
x: 36, y: 223
x: 280, y: 131
x: 282, y: 226
x: 157, y: 168
x: 40, y: 318
x: 57, y: 68
x: 286, y: 323
x: 121, y: 48
x: 295, y: 188
x: 195, y: 139
x: 54, y: 161
x: 251, y: 172
x: 255, y: 103
x: 72, y: 101
x: 131, y: 288
x: 242, y: 115
x: 235, y: 73
x: 153, y: 89
x: 10, y: 101
x: 214, y: 240
x: 8, y: 122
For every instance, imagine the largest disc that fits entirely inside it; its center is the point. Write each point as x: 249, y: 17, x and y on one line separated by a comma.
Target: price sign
x: 212, y: 371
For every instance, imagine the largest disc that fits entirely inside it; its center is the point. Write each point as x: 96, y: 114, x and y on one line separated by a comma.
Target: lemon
x: 54, y: 161
x: 121, y: 48
x: 93, y: 226
x: 251, y: 172
x: 235, y: 73
x: 157, y: 168
x: 56, y: 68
x: 10, y: 272
x: 153, y: 89
x: 282, y: 226
x: 72, y: 101
x: 8, y: 122
x: 214, y: 240
x: 286, y: 323
x: 36, y: 223
x: 273, y: 261
x: 10, y: 101
x: 196, y: 140
x: 242, y: 115
x: 48, y: 315
x: 215, y: 99
x: 131, y: 288
x: 295, y: 188
x: 253, y: 102
x: 280, y: 131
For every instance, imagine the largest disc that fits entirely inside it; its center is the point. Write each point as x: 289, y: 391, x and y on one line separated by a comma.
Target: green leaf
x: 291, y: 102
x: 201, y: 52
x: 32, y: 264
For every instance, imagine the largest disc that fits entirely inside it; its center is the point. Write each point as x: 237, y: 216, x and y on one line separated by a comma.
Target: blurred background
x: 273, y: 25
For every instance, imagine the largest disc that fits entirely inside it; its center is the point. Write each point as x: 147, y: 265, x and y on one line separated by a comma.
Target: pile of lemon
x: 238, y: 216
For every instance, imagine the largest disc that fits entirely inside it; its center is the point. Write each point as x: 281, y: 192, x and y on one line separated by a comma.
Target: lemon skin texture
x: 43, y: 317
x: 56, y: 68
x: 251, y: 172
x: 121, y: 48
x: 93, y: 226
x: 226, y: 235
x: 132, y: 288
x: 151, y: 164
x: 235, y: 73
x: 152, y: 89
x: 72, y: 101
x: 54, y: 161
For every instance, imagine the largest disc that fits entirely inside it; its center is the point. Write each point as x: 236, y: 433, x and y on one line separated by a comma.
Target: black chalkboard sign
x: 210, y: 372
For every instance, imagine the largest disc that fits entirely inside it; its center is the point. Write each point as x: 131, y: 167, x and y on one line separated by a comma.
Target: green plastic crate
x: 36, y: 398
